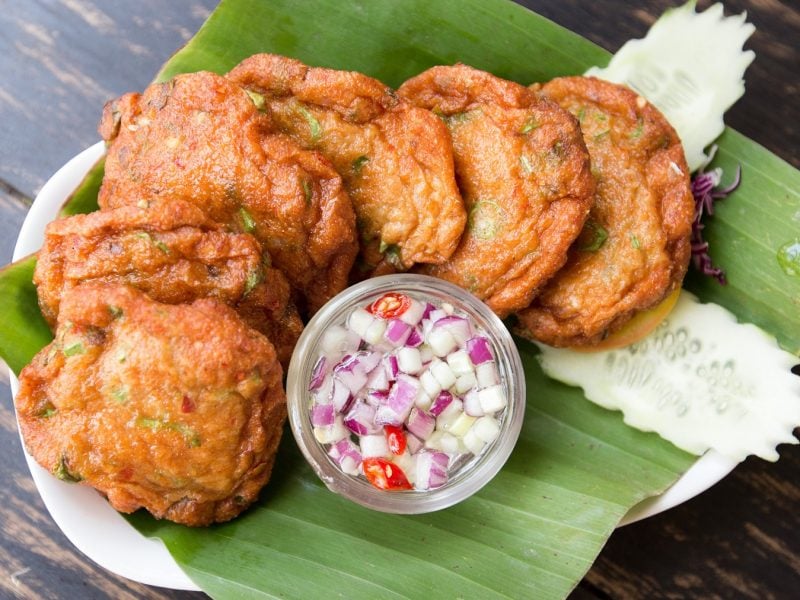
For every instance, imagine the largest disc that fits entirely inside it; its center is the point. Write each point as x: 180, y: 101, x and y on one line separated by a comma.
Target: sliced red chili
x: 395, y: 438
x: 385, y: 475
x: 390, y: 305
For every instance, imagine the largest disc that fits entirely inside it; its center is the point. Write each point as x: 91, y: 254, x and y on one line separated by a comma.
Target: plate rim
x: 147, y: 560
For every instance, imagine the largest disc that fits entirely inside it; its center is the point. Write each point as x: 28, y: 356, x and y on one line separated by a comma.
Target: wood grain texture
x: 60, y: 60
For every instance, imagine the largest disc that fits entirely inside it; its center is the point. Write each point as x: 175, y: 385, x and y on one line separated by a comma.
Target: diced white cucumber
x: 374, y: 333
x: 449, y: 415
x: 441, y: 341
x: 425, y: 353
x: 486, y: 429
x: 374, y: 446
x: 492, y: 399
x: 423, y: 401
x: 337, y: 341
x: 443, y: 374
x: 330, y: 434
x: 473, y: 443
x: 434, y: 441
x: 430, y: 384
x: 350, y: 465
x: 449, y: 443
x: 413, y: 314
x: 460, y: 363
x: 465, y: 383
x: 461, y: 425
x: 409, y: 361
x: 486, y: 374
x: 472, y: 404
x: 359, y: 321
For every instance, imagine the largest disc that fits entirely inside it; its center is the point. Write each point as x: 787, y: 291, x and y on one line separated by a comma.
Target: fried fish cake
x: 524, y: 174
x: 395, y: 159
x: 173, y: 252
x: 636, y: 247
x: 175, y: 409
x: 200, y: 138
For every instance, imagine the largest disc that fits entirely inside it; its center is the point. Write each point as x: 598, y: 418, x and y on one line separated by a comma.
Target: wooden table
x: 60, y: 60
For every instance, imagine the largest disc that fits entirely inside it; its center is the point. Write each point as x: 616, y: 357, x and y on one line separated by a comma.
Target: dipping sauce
x: 406, y: 393
x: 403, y: 390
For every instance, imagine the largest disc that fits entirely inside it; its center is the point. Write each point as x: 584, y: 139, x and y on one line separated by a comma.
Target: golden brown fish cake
x: 635, y: 248
x: 524, y: 174
x: 395, y: 159
x: 176, y: 409
x: 200, y: 138
x: 173, y: 252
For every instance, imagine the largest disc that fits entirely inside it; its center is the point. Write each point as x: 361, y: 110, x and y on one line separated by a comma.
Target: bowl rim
x: 477, y: 471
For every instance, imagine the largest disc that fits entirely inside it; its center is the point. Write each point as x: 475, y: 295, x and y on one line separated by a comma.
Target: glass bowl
x: 472, y: 473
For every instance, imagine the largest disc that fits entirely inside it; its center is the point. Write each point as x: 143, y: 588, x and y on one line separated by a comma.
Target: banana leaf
x: 577, y: 469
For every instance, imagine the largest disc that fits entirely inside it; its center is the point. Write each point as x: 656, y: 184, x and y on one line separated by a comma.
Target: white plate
x: 104, y: 536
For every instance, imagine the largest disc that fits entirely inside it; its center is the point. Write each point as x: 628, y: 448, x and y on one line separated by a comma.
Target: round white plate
x: 104, y: 536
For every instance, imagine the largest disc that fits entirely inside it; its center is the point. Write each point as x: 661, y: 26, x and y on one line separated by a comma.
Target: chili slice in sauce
x: 390, y: 305
x: 385, y: 475
x: 395, y: 439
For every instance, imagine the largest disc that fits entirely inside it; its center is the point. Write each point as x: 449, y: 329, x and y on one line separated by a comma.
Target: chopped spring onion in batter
x: 315, y: 129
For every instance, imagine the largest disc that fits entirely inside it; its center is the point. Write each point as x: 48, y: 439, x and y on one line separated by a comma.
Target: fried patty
x: 523, y: 171
x: 395, y: 159
x: 200, y: 138
x: 175, y: 409
x: 635, y: 248
x: 173, y: 252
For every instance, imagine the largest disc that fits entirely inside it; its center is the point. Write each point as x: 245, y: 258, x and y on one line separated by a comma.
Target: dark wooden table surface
x: 60, y: 60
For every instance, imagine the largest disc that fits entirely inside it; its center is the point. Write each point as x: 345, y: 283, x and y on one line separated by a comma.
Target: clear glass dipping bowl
x: 465, y: 480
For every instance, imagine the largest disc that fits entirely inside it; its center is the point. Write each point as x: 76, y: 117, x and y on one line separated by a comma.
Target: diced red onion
x: 413, y: 443
x: 706, y: 191
x: 369, y: 360
x: 341, y: 396
x: 397, y: 332
x: 322, y: 415
x: 420, y: 423
x: 392, y: 368
x: 441, y: 402
x: 324, y: 393
x: 441, y: 459
x: 378, y: 380
x: 487, y: 375
x: 436, y: 314
x: 414, y: 339
x: 472, y: 404
x: 360, y: 419
x: 459, y: 327
x: 430, y: 473
x: 377, y: 397
x: 351, y: 373
x: 343, y: 449
x: 318, y: 374
x: 399, y: 403
x: 479, y: 350
x: 429, y: 308
x: 403, y: 393
x: 414, y: 312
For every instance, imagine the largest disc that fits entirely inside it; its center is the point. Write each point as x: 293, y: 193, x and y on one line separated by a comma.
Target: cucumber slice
x: 700, y: 380
x: 694, y: 81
